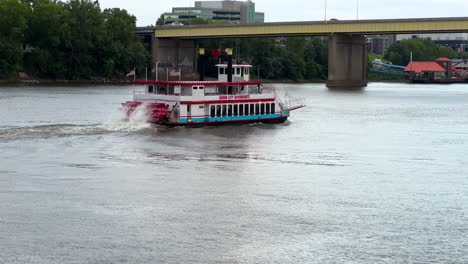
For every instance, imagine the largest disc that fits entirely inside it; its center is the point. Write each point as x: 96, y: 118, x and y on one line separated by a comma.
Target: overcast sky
x: 147, y: 11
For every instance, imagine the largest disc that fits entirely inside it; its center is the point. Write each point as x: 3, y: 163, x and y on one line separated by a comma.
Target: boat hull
x: 277, y: 120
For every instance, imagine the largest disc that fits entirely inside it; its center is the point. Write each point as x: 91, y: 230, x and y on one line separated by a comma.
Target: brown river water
x: 372, y: 176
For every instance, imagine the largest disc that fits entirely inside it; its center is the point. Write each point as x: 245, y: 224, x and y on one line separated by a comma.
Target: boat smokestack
x: 229, y: 66
x: 201, y: 64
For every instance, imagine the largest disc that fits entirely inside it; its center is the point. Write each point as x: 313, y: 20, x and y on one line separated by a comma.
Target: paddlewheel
x: 153, y: 112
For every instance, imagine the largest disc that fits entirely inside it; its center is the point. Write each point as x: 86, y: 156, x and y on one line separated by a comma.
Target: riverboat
x: 232, y: 99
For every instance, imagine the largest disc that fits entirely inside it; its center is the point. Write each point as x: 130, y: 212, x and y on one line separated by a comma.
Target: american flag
x: 174, y: 73
x: 131, y: 73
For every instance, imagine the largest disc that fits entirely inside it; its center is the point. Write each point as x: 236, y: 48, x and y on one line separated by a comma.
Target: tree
x: 13, y: 23
x: 125, y: 50
x: 49, y: 35
x: 69, y: 40
x: 316, y: 59
x: 422, y: 50
x: 87, y: 36
x: 161, y: 21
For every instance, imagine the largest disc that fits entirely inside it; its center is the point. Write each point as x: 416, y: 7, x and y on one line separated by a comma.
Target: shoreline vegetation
x: 68, y: 40
x: 75, y: 41
x: 130, y: 82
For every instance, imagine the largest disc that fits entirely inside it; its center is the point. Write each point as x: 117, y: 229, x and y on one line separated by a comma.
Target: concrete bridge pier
x: 347, y: 62
x: 173, y: 54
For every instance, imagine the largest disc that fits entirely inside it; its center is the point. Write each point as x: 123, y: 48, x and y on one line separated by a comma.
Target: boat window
x: 262, y: 109
x: 241, y: 109
x: 195, y: 87
x: 218, y: 110
x: 229, y: 110
x: 151, y: 89
x: 236, y: 109
x: 212, y: 111
x: 252, y: 109
x: 201, y: 87
x: 188, y: 108
x: 224, y: 110
x: 257, y: 109
x: 246, y: 71
x: 221, y: 71
x: 246, y: 108
x: 273, y: 108
x: 267, y: 111
x: 238, y: 71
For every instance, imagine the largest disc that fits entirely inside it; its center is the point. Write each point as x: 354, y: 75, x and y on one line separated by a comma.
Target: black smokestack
x: 229, y: 66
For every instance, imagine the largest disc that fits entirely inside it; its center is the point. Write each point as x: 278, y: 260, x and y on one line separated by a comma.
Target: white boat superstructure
x: 231, y: 99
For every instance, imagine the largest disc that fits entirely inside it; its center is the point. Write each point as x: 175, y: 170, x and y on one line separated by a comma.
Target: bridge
x: 347, y: 44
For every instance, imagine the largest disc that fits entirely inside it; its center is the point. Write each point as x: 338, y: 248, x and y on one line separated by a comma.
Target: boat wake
x: 117, y: 123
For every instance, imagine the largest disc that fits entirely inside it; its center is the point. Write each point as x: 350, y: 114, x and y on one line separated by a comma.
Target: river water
x: 372, y: 176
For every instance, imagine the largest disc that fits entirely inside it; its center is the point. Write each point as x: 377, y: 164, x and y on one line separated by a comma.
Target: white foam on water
x: 118, y: 122
x: 138, y: 120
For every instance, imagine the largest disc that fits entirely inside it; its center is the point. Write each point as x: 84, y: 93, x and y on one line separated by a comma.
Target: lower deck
x: 220, y: 113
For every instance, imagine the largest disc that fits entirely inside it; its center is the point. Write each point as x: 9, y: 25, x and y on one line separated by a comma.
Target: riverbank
x: 52, y: 82
x: 121, y: 81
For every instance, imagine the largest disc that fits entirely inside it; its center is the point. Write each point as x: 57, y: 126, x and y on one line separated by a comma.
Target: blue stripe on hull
x: 228, y: 118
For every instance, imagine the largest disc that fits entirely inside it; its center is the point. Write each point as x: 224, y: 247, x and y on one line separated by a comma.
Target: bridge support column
x: 347, y: 62
x: 174, y: 54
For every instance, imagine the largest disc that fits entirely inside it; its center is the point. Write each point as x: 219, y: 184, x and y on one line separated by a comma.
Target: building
x: 440, y: 70
x: 378, y: 44
x: 456, y: 41
x: 235, y: 12
x: 461, y: 65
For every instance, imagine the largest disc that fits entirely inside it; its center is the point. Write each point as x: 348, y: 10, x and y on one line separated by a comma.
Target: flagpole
x: 156, y: 70
x: 411, y: 63
x: 146, y: 74
x: 134, y: 79
x: 180, y: 74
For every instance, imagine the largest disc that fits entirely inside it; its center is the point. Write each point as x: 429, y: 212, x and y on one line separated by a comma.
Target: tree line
x: 294, y: 58
x: 422, y: 49
x: 68, y: 40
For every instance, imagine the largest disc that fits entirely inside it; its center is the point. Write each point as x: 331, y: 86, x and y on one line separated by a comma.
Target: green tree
x: 422, y: 50
x: 316, y: 60
x: 161, y: 21
x: 49, y: 36
x: 295, y: 48
x: 87, y: 36
x: 124, y: 50
x: 13, y: 23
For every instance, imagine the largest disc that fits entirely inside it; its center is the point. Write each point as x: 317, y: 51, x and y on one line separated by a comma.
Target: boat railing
x: 290, y: 103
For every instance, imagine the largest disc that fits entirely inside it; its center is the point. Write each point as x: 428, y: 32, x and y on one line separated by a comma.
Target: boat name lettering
x: 230, y: 97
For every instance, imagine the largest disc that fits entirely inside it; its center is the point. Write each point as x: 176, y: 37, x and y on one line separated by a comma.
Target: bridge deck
x: 318, y: 28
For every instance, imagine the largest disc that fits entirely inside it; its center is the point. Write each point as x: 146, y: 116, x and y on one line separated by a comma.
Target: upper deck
x: 203, y: 92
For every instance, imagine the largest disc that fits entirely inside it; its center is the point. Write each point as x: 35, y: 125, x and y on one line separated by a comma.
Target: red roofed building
x: 443, y: 60
x: 424, y: 66
x: 430, y: 71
